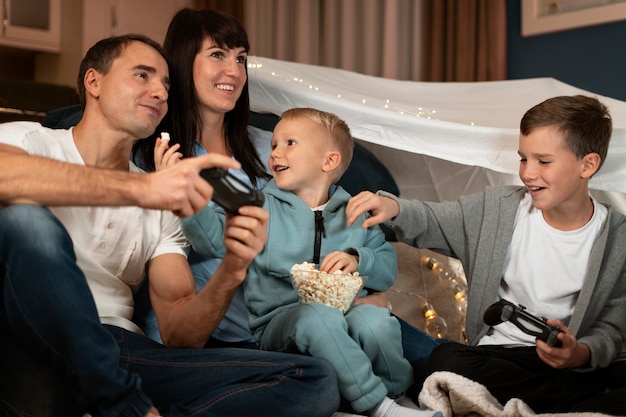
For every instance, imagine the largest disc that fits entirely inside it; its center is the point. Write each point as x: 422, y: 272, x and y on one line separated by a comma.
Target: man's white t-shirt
x: 112, y: 244
x: 544, y: 269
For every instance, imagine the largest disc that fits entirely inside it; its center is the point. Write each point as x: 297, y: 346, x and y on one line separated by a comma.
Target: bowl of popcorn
x: 334, y: 289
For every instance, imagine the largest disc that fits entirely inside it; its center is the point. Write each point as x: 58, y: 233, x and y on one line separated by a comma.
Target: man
x: 81, y: 225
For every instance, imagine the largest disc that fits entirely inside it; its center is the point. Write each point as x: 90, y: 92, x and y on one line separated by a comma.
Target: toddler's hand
x: 339, y: 261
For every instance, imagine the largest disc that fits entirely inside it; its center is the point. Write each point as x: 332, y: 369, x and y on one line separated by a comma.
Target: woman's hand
x: 165, y: 155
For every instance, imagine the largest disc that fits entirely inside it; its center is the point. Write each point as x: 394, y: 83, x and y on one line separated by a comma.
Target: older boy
x: 548, y: 246
x: 79, y: 227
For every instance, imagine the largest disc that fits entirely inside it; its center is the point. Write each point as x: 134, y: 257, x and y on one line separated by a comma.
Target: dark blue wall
x: 592, y: 58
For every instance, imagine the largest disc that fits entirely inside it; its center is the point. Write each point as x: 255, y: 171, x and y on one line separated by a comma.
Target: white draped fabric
x: 439, y: 140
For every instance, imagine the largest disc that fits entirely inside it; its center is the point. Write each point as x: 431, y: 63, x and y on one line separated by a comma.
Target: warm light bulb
x: 429, y: 311
x: 430, y: 262
x: 436, y: 326
x: 460, y: 296
x: 447, y: 277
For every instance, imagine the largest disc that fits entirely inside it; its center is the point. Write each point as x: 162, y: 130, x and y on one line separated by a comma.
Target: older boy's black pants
x: 519, y: 373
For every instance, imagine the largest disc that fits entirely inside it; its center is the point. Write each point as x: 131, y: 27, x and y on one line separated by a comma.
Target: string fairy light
x: 434, y: 324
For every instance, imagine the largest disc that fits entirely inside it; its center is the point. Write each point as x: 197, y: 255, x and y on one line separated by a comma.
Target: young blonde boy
x: 548, y: 246
x: 311, y: 149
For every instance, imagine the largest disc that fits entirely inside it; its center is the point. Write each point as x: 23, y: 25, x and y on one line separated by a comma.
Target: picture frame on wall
x: 546, y: 16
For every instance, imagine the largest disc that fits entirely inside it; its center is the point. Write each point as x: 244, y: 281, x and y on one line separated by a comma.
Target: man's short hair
x: 101, y: 56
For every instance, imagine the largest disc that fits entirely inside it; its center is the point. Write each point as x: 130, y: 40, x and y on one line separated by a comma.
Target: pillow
x: 63, y: 118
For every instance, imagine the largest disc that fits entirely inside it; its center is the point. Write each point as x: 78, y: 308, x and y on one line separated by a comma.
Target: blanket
x: 455, y: 395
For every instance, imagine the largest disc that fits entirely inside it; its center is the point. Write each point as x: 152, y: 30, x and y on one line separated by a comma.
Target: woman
x: 209, y: 112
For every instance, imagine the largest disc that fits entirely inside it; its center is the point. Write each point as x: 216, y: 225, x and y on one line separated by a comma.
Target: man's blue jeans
x: 48, y: 316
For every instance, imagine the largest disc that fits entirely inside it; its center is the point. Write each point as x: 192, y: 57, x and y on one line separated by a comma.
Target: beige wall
x: 83, y: 22
x: 62, y: 68
x: 16, y: 64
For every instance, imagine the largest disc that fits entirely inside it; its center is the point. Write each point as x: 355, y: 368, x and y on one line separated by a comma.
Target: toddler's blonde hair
x: 338, y: 129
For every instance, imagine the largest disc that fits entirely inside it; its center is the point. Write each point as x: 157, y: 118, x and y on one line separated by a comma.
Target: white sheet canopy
x: 437, y: 139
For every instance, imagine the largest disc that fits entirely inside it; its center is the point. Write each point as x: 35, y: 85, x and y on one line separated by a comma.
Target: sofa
x: 60, y: 109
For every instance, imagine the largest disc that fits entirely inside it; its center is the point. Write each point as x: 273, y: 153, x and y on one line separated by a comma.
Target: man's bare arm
x: 32, y: 179
x: 188, y: 320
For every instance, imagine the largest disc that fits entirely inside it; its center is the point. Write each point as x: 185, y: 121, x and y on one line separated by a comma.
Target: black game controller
x: 229, y: 192
x: 505, y: 310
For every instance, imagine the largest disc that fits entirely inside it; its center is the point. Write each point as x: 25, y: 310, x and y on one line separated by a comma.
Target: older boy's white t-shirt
x: 112, y: 244
x: 544, y: 269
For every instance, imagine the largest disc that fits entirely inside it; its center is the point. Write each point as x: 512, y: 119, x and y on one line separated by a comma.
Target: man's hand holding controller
x: 228, y: 192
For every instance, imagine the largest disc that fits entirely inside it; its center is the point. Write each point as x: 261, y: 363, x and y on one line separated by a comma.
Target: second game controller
x: 505, y: 310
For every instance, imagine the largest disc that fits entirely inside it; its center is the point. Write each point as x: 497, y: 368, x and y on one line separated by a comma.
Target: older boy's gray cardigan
x: 478, y: 229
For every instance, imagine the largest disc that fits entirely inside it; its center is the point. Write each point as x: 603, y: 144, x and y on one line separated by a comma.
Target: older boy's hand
x: 382, y: 208
x: 570, y: 354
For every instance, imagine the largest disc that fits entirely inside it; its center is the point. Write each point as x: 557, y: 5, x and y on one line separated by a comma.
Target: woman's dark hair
x: 185, y: 35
